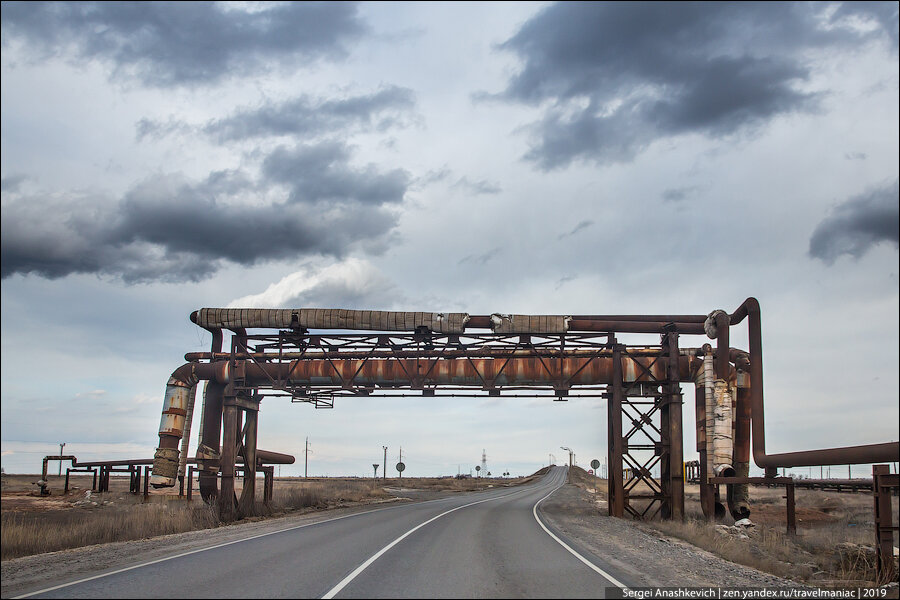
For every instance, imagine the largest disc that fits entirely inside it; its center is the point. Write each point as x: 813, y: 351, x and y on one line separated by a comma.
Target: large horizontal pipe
x: 266, y: 457
x: 661, y: 318
x: 633, y: 326
x: 211, y: 318
x: 479, y: 372
x: 872, y: 453
x: 469, y: 352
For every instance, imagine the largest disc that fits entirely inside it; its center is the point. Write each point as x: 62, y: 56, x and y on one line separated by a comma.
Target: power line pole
x: 384, y: 473
x: 61, y: 446
x: 306, y: 460
x: 483, y: 462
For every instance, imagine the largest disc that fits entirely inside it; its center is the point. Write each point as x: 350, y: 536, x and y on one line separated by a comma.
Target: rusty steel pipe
x: 870, y: 453
x: 633, y: 326
x: 481, y: 372
x: 481, y: 352
x: 661, y: 318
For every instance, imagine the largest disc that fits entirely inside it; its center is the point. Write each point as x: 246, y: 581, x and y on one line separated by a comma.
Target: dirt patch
x: 768, y: 514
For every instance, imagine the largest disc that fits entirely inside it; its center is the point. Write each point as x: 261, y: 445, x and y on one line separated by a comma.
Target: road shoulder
x: 640, y: 557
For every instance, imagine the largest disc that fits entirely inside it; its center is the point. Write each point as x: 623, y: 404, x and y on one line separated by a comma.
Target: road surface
x: 485, y: 544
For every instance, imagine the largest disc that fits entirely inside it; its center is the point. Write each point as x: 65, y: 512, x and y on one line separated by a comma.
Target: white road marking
x: 346, y: 580
x: 183, y: 554
x: 597, y: 569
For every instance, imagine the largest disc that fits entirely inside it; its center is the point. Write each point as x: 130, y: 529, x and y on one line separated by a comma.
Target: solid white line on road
x: 183, y: 554
x: 598, y: 570
x: 346, y: 580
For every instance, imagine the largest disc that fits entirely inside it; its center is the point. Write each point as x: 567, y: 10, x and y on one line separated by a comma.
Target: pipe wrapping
x: 529, y: 323
x: 171, y: 425
x: 328, y: 318
x: 722, y: 441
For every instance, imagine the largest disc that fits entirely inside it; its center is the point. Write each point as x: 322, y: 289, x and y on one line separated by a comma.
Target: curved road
x: 486, y: 544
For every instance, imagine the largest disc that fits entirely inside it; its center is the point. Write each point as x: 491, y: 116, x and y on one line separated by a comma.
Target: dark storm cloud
x: 856, y: 225
x: 170, y: 229
x: 174, y: 43
x: 619, y: 76
x: 321, y: 173
x: 306, y: 116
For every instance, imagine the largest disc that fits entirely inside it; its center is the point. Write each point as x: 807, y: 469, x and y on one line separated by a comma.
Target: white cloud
x: 350, y: 283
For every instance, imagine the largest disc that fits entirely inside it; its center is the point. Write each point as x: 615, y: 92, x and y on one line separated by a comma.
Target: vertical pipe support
x: 616, y: 485
x: 791, y: 508
x: 676, y: 437
x: 228, y: 456
x: 248, y: 493
x: 884, y: 527
x: 186, y: 438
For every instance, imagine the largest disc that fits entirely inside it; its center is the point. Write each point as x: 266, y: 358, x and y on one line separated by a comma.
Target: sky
x: 531, y: 158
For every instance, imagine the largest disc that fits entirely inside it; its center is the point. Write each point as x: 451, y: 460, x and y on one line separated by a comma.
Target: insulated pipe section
x: 186, y: 433
x: 872, y: 453
x: 327, y: 318
x: 452, y: 323
x: 171, y: 425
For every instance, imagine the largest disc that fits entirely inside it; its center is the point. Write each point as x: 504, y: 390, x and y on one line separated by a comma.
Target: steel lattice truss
x: 426, y: 350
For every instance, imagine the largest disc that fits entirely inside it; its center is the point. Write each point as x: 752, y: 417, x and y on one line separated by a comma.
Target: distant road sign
x: 595, y: 463
x: 400, y: 467
x: 478, y: 468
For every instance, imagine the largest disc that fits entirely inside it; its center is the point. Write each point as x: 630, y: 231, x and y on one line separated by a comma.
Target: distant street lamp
x: 571, y: 455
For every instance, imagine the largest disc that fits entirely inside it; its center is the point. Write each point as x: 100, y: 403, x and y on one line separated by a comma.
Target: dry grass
x: 833, y: 545
x: 320, y: 494
x: 24, y: 534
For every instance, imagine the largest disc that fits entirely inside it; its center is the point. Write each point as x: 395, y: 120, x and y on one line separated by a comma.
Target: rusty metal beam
x: 452, y: 371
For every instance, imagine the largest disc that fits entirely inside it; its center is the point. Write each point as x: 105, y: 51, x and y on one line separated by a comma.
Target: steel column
x: 882, y: 481
x: 248, y: 494
x: 615, y: 483
x: 227, y: 461
x: 673, y: 464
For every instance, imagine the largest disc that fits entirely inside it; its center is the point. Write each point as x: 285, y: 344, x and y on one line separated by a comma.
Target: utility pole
x: 306, y: 460
x: 61, y: 446
x: 483, y: 462
x: 384, y: 473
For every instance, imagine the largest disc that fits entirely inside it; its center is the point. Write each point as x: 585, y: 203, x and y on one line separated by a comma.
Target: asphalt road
x: 485, y: 544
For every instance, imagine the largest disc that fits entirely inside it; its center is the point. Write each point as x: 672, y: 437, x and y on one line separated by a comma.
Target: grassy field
x: 834, y: 545
x: 32, y: 524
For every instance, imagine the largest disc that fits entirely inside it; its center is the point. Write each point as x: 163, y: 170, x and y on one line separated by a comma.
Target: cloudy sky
x: 478, y: 157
